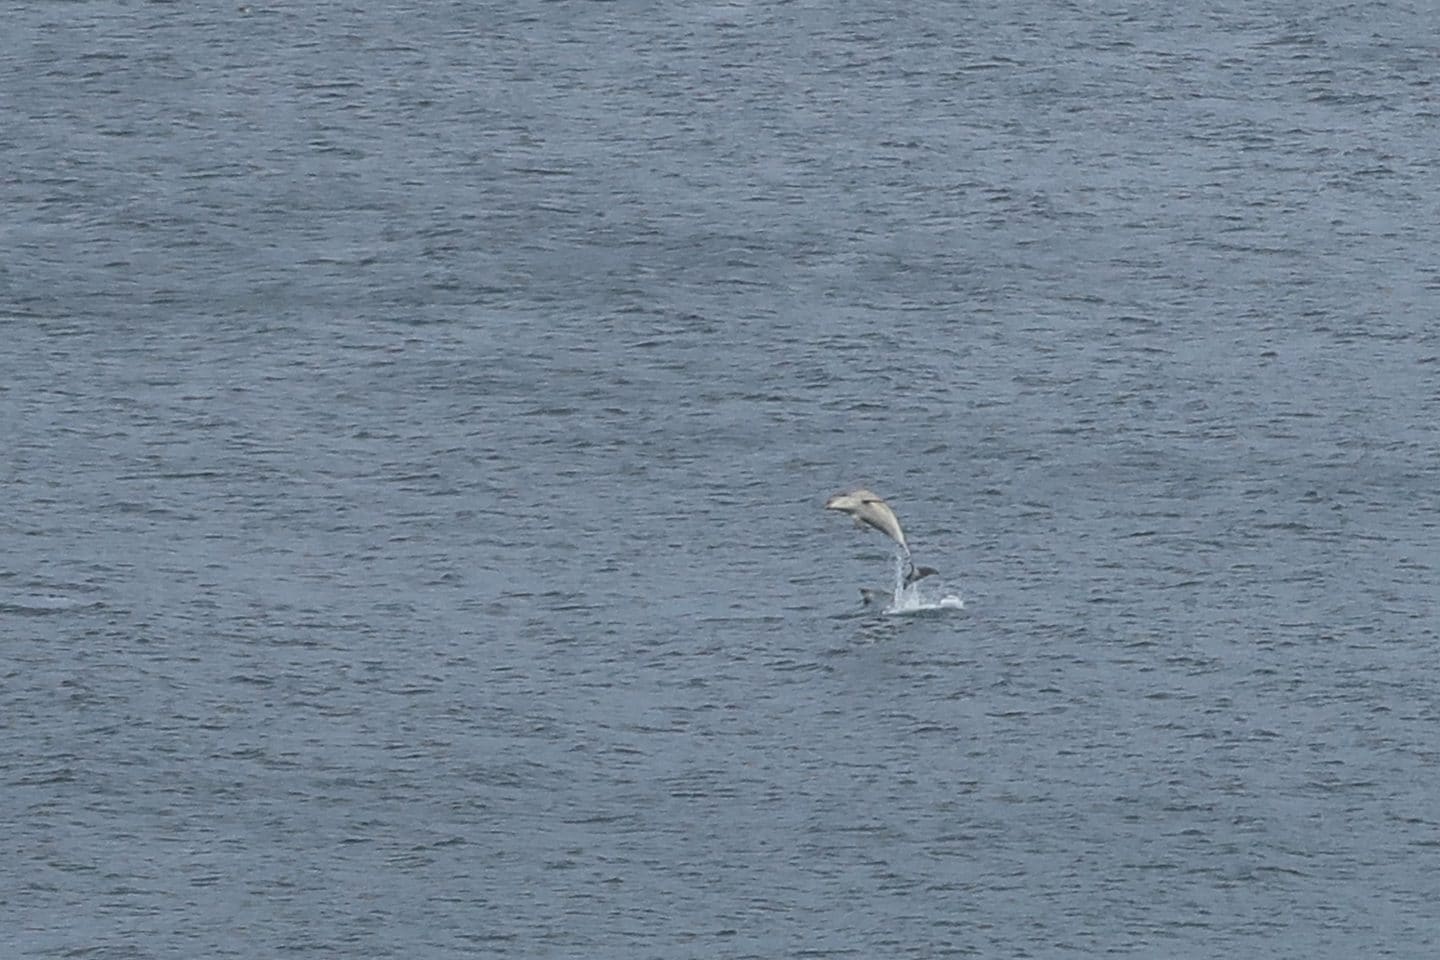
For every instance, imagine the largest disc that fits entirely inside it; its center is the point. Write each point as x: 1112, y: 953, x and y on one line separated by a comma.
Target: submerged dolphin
x: 871, y: 595
x: 869, y: 509
x: 874, y: 595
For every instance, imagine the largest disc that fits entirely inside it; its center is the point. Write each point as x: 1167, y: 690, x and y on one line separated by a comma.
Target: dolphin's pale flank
x: 868, y: 509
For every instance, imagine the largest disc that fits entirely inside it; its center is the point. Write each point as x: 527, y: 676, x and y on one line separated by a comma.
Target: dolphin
x: 869, y: 509
x: 873, y: 595
x: 870, y: 596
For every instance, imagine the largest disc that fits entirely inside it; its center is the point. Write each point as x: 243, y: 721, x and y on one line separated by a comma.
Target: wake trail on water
x: 922, y: 595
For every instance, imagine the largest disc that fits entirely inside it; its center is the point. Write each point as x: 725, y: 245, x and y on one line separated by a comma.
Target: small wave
x: 37, y: 604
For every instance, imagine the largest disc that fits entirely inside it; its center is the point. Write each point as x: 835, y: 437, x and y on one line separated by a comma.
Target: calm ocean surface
x: 416, y: 420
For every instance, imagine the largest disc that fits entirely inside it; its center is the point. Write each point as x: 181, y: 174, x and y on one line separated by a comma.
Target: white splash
x: 921, y: 595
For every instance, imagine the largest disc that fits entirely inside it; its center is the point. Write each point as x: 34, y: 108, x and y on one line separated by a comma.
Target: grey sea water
x: 416, y: 420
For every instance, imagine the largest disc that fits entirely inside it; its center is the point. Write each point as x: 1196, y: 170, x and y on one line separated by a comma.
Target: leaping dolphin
x: 869, y: 509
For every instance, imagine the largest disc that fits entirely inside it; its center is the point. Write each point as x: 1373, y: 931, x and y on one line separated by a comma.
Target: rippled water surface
x: 417, y: 420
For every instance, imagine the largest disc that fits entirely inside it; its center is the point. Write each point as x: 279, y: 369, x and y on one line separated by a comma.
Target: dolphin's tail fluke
x: 919, y: 573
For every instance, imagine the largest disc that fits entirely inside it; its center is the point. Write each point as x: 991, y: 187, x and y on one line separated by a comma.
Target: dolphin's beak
x: 833, y: 502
